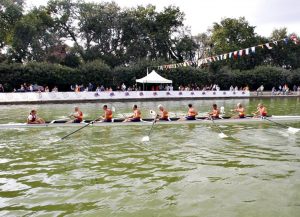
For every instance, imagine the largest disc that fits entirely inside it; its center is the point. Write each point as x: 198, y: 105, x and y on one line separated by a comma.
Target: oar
x: 290, y: 129
x: 113, y: 108
x: 147, y: 138
x: 221, y: 134
x: 78, y: 129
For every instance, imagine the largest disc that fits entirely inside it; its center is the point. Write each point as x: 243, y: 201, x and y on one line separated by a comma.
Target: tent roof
x: 153, y: 78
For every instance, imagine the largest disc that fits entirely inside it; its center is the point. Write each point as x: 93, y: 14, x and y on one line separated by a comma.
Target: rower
x: 164, y: 114
x: 261, y: 111
x: 78, y: 115
x: 108, y: 115
x: 136, y: 117
x: 240, y: 110
x: 215, y: 113
x: 34, y: 119
x: 192, y: 113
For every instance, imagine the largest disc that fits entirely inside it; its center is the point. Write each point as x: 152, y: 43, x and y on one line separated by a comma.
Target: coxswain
x: 261, y: 111
x: 34, y: 119
x: 136, y: 117
x: 240, y: 110
x: 215, y: 113
x: 107, y: 116
x: 164, y: 114
x: 77, y: 115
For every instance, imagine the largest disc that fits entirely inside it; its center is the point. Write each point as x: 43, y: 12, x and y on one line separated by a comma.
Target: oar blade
x: 223, y: 135
x: 293, y: 130
x: 146, y: 139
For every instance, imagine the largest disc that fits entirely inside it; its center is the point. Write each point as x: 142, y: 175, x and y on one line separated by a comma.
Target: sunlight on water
x: 184, y: 170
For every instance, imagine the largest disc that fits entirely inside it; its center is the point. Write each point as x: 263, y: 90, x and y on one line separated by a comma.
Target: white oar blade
x: 152, y: 113
x: 113, y: 108
x: 293, y: 130
x: 222, y: 135
x: 146, y: 139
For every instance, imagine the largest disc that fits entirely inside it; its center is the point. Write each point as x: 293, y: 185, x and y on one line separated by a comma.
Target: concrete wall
x: 34, y: 97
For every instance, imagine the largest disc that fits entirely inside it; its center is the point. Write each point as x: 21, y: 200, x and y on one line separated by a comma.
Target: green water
x: 184, y: 171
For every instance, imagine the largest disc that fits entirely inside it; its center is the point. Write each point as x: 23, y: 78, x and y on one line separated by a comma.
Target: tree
x: 234, y: 34
x: 10, y: 12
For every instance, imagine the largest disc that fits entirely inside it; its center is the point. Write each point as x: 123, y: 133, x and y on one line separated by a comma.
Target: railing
x: 116, y: 95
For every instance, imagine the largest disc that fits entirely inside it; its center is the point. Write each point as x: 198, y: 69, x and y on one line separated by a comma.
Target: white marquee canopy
x: 153, y: 78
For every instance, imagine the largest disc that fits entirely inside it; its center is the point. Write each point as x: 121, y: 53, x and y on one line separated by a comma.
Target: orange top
x: 192, y: 112
x: 215, y: 113
x: 263, y: 111
x: 137, y: 113
x: 79, y: 116
x: 108, y: 114
x: 164, y: 114
x: 241, y: 111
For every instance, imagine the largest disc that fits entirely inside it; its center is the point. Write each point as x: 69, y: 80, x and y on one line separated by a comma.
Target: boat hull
x: 175, y: 121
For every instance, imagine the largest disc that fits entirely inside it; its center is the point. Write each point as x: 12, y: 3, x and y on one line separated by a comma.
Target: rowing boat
x: 173, y: 121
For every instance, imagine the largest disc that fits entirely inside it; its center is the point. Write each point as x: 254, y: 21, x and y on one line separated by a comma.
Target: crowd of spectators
x: 285, y: 90
x: 281, y: 90
x: 32, y: 88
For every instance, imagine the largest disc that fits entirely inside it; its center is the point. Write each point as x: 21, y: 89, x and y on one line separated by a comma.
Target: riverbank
x: 76, y: 97
x: 82, y: 97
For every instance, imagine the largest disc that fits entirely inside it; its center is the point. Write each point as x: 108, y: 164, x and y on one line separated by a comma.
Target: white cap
x: 159, y: 106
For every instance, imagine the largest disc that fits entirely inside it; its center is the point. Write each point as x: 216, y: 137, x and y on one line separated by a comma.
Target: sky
x: 266, y: 15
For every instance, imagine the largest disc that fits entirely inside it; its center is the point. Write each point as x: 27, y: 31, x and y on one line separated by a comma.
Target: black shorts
x: 135, y: 120
x: 190, y: 118
x: 77, y: 121
x: 107, y: 120
x: 164, y: 119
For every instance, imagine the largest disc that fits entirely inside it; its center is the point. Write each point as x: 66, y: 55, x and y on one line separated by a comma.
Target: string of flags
x: 234, y: 54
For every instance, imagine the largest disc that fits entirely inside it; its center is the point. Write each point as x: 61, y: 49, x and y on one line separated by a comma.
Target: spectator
x: 260, y: 90
x: 123, y: 87
x: 231, y: 88
x: 298, y: 90
x: 279, y: 89
x: 30, y: 88
x: 22, y: 89
x: 273, y: 91
x: 90, y: 87
x: 236, y: 88
x: 1, y: 88
x: 171, y: 87
x: 47, y: 89
x: 55, y: 89
x: 295, y: 88
x: 102, y: 88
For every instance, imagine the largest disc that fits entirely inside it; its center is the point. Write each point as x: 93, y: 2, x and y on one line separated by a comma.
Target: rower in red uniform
x: 34, y: 119
x: 215, y: 113
x: 78, y: 115
x: 164, y: 114
x: 240, y: 110
x: 136, y: 117
x: 261, y: 111
x: 107, y: 116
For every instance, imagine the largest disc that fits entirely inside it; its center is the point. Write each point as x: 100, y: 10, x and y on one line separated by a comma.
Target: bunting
x: 234, y: 54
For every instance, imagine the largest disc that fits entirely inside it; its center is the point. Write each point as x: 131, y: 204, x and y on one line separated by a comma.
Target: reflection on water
x: 184, y: 171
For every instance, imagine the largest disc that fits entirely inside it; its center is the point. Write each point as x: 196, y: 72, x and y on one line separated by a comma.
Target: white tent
x: 153, y: 78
